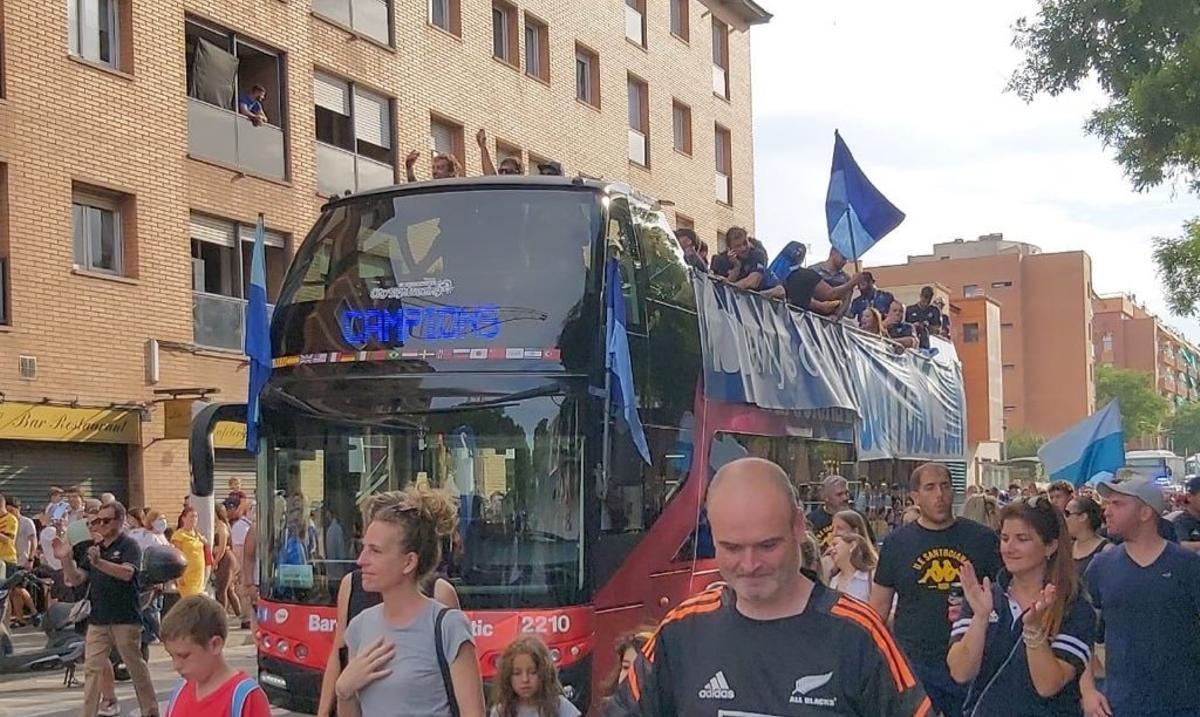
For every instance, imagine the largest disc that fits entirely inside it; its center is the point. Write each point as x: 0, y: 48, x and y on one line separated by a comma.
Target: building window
x: 970, y: 333
x: 681, y: 116
x: 504, y: 32
x: 1001, y: 284
x: 5, y: 300
x: 235, y: 116
x: 635, y: 22
x: 354, y: 137
x: 447, y: 137
x: 1107, y: 342
x: 972, y: 290
x: 537, y: 48
x: 679, y: 19
x: 96, y: 227
x: 222, y: 252
x: 683, y: 221
x: 504, y: 151
x: 639, y: 121
x: 446, y: 14
x: 1006, y: 326
x: 1009, y: 366
x: 367, y: 17
x: 93, y: 30
x: 587, y: 76
x: 723, y: 145
x: 720, y: 58
x: 720, y: 241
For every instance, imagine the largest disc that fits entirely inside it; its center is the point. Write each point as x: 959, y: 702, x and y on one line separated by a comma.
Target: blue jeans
x: 946, y: 695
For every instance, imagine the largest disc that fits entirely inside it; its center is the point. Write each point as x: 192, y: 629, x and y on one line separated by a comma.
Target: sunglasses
x: 101, y: 521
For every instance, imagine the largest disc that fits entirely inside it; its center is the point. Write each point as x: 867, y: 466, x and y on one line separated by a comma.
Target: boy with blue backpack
x: 194, y: 633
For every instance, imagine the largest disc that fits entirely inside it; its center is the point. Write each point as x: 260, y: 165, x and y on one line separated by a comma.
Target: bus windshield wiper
x: 507, y: 399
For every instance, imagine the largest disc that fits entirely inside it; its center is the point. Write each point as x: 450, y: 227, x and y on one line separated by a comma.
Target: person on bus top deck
x: 352, y: 599
x: 508, y: 166
x: 925, y: 312
x: 1147, y: 591
x: 870, y: 295
x: 773, y: 641
x: 444, y: 166
x: 743, y: 263
x: 918, y: 564
x: 1022, y: 642
x: 899, y: 330
x: 690, y: 243
x: 395, y: 664
x: 833, y: 269
x: 805, y: 289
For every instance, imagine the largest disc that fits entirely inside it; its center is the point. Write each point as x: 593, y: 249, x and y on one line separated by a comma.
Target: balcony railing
x: 227, y: 137
x: 219, y: 322
x: 339, y: 170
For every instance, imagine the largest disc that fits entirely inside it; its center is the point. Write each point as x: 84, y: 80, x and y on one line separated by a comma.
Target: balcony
x: 339, y: 170
x: 720, y: 81
x: 219, y: 322
x: 637, y: 147
x: 226, y: 137
x: 369, y: 17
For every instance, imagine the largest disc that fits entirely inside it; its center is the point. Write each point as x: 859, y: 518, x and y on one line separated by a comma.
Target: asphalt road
x: 43, y: 694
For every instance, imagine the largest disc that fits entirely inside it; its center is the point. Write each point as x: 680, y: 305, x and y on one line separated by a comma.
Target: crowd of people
x: 823, y: 288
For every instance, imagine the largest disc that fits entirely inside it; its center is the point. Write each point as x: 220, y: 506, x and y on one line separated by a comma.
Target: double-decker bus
x: 453, y: 334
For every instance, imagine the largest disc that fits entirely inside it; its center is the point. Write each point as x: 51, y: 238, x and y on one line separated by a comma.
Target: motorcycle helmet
x: 161, y: 564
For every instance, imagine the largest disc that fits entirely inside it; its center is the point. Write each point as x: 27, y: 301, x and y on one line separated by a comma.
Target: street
x: 43, y: 694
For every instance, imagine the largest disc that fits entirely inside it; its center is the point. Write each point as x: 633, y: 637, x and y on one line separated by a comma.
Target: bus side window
x: 635, y: 501
x: 623, y: 243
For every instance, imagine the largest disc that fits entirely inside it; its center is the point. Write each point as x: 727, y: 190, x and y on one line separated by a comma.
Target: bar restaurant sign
x: 45, y: 422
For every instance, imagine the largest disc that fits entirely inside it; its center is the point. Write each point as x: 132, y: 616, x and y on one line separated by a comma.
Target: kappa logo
x: 801, y: 693
x: 717, y: 688
x: 938, y: 567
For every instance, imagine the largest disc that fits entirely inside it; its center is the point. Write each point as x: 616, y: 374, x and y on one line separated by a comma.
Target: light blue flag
x: 856, y: 213
x: 623, y: 394
x: 258, y: 335
x: 1094, y: 445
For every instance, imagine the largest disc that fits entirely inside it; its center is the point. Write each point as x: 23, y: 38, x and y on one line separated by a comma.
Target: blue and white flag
x: 1094, y: 445
x: 857, y: 214
x: 617, y: 360
x: 258, y: 335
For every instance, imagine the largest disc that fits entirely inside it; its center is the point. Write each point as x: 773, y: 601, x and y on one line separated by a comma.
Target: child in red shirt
x: 194, y: 633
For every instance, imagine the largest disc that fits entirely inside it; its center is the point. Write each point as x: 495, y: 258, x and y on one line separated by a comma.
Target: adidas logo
x: 717, y: 688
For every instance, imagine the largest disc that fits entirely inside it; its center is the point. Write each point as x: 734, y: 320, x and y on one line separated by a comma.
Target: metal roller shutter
x: 29, y: 468
x: 229, y: 464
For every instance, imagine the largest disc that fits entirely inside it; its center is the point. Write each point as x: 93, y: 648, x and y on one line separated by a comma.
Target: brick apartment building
x: 1128, y: 336
x: 1045, y: 303
x: 129, y: 184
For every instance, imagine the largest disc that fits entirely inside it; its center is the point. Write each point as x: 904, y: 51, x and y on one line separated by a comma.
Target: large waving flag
x: 857, y: 214
x: 617, y: 359
x: 258, y: 335
x: 1093, y: 446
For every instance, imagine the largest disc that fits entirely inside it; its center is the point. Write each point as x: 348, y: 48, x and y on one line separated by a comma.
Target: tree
x: 1184, y: 427
x: 1022, y: 444
x: 1146, y: 58
x: 1143, y: 411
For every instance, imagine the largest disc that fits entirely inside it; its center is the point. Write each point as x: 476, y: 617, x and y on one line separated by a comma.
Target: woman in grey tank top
x: 408, y: 655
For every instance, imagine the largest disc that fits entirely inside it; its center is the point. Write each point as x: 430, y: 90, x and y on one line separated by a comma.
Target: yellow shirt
x: 192, y: 547
x: 8, y: 546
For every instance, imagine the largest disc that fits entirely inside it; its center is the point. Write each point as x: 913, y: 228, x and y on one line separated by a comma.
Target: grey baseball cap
x: 1127, y: 482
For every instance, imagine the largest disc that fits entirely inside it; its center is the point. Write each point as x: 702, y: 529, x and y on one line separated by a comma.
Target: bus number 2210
x: 554, y: 624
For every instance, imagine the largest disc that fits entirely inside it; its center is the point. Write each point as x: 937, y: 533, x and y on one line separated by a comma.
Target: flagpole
x: 850, y: 227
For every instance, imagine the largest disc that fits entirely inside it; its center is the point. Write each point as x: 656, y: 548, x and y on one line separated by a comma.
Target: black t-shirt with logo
x: 928, y: 315
x: 920, y: 565
x: 114, y: 601
x: 708, y: 659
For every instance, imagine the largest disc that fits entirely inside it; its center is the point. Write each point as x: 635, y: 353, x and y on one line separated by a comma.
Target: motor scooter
x: 64, y: 645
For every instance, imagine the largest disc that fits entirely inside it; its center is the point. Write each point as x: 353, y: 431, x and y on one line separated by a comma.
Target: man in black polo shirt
x: 924, y: 312
x: 110, y: 566
x: 743, y: 263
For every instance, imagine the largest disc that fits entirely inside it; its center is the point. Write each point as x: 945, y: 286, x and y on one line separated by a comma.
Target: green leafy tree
x: 1184, y: 427
x: 1145, y: 56
x: 1022, y: 444
x: 1143, y: 411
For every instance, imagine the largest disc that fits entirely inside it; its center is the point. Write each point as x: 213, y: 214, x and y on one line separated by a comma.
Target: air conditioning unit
x: 27, y: 366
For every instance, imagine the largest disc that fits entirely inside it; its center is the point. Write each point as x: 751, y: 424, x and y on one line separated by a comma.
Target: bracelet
x: 1034, y: 638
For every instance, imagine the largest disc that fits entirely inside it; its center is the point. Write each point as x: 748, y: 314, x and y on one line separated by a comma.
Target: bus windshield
x: 490, y: 266
x: 514, y: 470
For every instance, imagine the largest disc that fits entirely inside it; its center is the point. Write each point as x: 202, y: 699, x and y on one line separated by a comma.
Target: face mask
x: 160, y: 525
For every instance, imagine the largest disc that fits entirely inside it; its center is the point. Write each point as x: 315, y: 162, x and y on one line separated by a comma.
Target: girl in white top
x: 527, y: 683
x: 854, y: 558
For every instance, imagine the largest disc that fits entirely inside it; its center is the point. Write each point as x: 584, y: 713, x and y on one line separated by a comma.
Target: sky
x: 917, y: 91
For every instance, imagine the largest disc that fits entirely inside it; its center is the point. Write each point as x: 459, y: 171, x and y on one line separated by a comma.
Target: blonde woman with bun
x: 394, y: 659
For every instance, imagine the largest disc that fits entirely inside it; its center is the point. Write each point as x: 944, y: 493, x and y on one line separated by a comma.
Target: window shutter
x: 371, y: 120
x: 211, y: 230
x: 331, y: 93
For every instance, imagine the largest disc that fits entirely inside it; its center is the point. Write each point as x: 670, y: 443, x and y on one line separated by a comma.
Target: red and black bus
x: 452, y: 334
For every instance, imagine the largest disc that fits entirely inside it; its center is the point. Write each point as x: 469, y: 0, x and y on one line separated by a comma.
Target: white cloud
x: 917, y: 90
